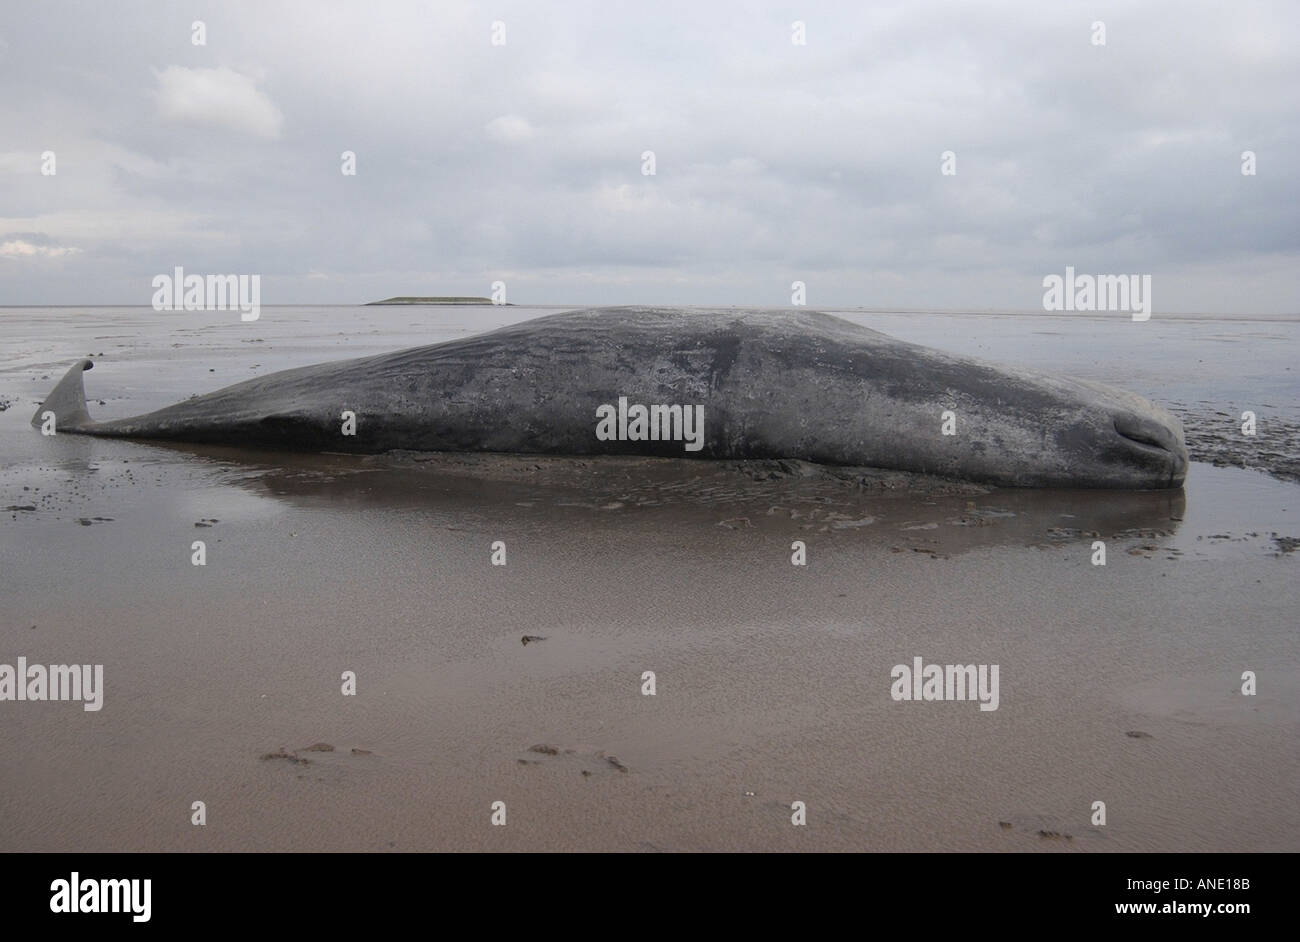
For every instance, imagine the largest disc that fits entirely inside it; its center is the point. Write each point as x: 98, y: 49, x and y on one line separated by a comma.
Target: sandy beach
x: 222, y: 683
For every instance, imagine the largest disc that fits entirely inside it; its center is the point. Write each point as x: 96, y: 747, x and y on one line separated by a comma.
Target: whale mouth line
x: 1145, y: 439
x: 1155, y: 441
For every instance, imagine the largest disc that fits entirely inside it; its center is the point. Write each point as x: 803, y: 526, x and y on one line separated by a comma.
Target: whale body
x: 771, y: 384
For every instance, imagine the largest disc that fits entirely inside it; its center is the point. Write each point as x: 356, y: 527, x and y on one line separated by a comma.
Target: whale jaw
x: 1155, y: 440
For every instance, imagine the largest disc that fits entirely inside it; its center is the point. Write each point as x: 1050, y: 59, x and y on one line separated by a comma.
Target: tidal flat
x: 223, y: 683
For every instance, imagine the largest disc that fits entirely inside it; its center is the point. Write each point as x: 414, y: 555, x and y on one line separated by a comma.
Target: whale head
x: 921, y: 409
x: 1041, y: 430
x: 1015, y: 427
x: 1119, y: 439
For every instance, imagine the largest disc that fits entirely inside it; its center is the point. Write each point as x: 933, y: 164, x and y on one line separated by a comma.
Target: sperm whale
x: 762, y: 384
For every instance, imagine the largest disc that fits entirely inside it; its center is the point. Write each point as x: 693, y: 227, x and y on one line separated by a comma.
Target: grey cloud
x: 774, y: 161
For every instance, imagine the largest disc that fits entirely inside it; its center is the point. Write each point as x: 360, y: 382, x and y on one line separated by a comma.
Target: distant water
x: 1236, y: 364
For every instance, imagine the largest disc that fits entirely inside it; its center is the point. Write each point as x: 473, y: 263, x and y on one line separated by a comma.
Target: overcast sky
x: 774, y: 161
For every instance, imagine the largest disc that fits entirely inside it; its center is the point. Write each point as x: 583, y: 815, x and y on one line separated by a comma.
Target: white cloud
x: 510, y: 129
x: 219, y: 97
x: 20, y: 248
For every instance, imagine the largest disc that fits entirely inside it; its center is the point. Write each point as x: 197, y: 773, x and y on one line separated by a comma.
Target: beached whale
x: 760, y: 384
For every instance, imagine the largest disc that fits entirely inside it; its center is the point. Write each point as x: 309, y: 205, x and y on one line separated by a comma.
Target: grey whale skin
x: 774, y: 384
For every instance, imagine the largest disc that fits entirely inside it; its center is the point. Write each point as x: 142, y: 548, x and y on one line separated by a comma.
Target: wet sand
x: 773, y: 681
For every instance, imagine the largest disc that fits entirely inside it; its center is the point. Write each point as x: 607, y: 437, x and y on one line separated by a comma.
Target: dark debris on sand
x: 1214, y: 436
x: 291, y: 755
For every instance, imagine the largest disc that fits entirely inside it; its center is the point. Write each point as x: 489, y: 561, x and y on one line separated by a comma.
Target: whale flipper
x: 67, y: 400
